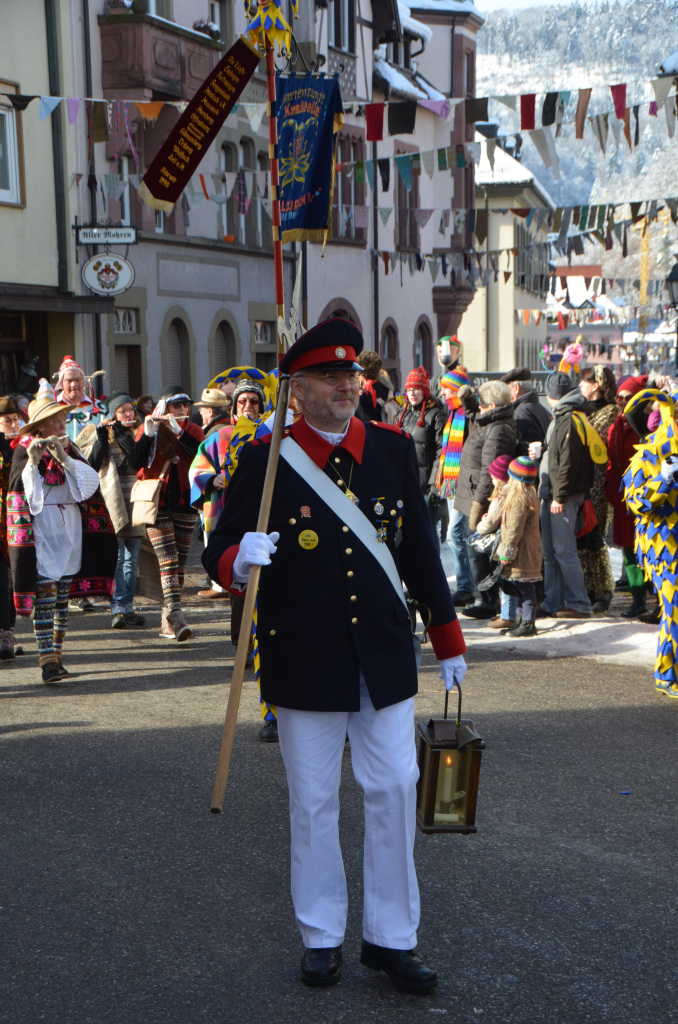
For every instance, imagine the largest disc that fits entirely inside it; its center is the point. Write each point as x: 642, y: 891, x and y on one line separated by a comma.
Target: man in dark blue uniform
x: 348, y: 521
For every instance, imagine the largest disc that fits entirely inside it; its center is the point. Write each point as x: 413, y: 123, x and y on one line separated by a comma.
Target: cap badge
x: 340, y: 353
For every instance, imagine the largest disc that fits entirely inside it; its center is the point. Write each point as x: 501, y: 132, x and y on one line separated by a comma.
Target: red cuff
x: 447, y: 640
x: 225, y: 569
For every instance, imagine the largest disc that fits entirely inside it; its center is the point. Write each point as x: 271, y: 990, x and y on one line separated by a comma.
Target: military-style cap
x: 332, y: 345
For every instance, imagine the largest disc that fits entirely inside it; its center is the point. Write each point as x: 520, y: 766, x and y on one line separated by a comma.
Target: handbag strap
x: 344, y: 508
x: 164, y: 470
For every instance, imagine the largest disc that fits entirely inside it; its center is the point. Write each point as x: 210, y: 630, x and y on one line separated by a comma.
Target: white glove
x: 150, y: 427
x: 255, y: 549
x: 57, y: 450
x: 35, y: 450
x: 173, y: 425
x: 669, y: 470
x: 452, y: 670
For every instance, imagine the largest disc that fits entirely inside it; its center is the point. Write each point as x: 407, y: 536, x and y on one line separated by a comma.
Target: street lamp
x: 672, y: 285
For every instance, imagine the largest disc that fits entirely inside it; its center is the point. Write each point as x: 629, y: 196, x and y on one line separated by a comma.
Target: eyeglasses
x: 333, y: 376
x: 248, y: 401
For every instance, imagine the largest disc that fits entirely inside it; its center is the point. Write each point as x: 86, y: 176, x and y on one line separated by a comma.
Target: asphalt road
x: 124, y: 900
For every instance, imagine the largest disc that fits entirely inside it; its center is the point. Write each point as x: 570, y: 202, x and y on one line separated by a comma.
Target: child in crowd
x: 519, y: 550
x: 490, y: 523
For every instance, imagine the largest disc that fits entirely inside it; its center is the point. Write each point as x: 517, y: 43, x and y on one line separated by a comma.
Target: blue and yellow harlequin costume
x: 654, y: 503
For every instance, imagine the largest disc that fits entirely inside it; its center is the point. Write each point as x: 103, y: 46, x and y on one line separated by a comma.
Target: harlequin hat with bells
x: 334, y: 344
x: 43, y: 406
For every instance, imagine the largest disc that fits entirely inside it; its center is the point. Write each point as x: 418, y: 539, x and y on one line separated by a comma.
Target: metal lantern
x: 449, y: 771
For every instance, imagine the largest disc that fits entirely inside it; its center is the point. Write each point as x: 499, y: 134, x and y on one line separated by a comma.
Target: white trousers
x: 385, y: 767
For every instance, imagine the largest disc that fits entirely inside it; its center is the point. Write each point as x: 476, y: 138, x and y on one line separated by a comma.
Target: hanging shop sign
x: 102, y: 235
x: 108, y: 274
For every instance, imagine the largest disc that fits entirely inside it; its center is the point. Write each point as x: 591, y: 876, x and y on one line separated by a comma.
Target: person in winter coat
x: 375, y: 392
x: 490, y: 524
x: 107, y: 448
x: 215, y: 410
x: 566, y: 477
x: 532, y: 418
x: 424, y: 419
x: 492, y: 432
x: 454, y: 436
x: 165, y: 446
x: 597, y: 384
x: 519, y: 549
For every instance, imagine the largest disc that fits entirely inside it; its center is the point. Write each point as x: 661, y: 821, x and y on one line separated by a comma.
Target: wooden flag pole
x: 228, y: 735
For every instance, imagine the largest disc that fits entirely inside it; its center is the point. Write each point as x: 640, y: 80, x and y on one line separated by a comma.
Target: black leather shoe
x: 405, y: 969
x: 269, y: 732
x: 461, y: 598
x: 480, y: 611
x: 321, y: 966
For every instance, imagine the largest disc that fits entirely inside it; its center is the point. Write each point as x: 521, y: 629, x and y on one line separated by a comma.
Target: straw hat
x: 43, y: 406
x: 213, y: 398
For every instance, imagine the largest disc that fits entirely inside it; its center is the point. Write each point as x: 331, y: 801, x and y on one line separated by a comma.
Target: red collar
x: 320, y: 450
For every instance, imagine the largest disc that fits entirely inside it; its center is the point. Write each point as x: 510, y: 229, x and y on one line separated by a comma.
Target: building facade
x: 203, y: 293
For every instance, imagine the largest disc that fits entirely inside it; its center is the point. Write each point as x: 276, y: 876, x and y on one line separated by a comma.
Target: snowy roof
x: 448, y: 7
x: 412, y: 26
x: 507, y: 171
x: 430, y: 90
x: 670, y: 65
x: 398, y: 82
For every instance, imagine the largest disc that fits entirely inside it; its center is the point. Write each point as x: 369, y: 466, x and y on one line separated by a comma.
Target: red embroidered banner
x: 182, y: 151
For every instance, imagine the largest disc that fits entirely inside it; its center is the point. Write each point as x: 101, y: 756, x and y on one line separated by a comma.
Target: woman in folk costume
x: 598, y: 386
x: 61, y: 539
x: 651, y: 494
x: 75, y: 389
x: 165, y: 446
x: 10, y: 422
x: 108, y: 447
x: 621, y: 445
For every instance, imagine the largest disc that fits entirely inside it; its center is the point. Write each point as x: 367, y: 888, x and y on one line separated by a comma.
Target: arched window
x: 388, y: 350
x: 225, y: 347
x: 177, y: 355
x: 245, y: 189
x: 229, y: 224
x: 422, y: 347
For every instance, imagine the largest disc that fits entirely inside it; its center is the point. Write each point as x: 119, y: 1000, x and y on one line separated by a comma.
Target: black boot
x: 638, y: 604
x: 602, y: 604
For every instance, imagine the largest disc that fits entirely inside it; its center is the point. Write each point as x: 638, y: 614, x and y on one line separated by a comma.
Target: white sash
x: 295, y: 456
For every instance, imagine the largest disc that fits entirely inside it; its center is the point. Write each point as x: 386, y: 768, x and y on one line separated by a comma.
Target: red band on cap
x: 322, y: 356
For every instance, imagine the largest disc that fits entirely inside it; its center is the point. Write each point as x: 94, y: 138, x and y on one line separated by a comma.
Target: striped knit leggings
x: 171, y: 538
x: 51, y: 616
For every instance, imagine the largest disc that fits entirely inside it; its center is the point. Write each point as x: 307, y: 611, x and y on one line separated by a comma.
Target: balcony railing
x: 148, y: 57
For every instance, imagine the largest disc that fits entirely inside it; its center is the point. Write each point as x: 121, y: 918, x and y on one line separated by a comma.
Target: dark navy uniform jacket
x: 326, y: 609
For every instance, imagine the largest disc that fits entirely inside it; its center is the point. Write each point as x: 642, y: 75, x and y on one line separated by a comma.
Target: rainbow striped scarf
x: 450, y: 457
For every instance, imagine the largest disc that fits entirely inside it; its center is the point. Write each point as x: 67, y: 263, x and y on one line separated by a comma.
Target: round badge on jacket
x: 308, y: 539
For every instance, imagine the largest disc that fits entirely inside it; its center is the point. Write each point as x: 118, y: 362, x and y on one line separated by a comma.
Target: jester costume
x: 454, y: 434
x: 652, y: 496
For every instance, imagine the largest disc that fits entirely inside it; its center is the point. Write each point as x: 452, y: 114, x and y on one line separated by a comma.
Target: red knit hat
x: 418, y: 378
x: 632, y: 384
x: 499, y: 467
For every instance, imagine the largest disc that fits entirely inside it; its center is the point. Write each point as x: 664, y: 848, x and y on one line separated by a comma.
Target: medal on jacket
x: 308, y: 539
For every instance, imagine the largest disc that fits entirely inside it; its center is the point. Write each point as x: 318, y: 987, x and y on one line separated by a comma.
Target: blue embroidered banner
x: 310, y: 112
